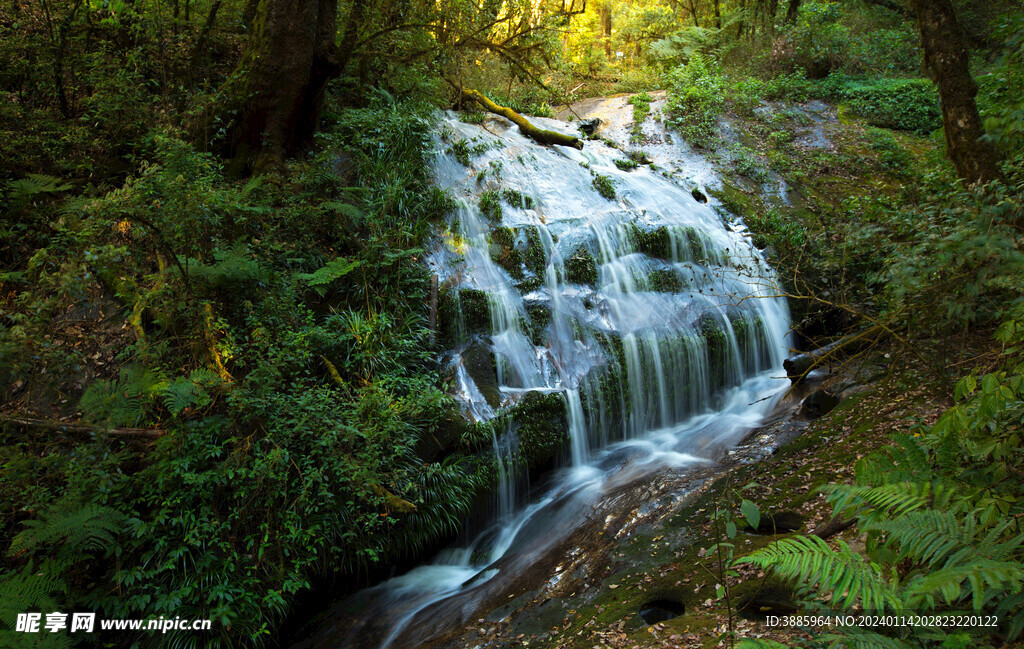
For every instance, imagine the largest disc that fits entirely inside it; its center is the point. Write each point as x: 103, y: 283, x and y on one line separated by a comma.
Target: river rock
x: 479, y: 362
x: 589, y: 126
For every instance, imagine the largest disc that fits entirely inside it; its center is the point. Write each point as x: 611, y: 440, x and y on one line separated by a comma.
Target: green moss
x: 604, y: 186
x: 664, y: 280
x: 580, y: 267
x: 517, y: 199
x: 474, y: 309
x: 626, y: 164
x: 542, y: 428
x: 504, y: 252
x: 540, y: 318
x: 490, y: 206
x: 653, y: 243
x: 536, y: 260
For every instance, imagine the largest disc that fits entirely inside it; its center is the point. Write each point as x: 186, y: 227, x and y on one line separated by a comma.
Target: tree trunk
x: 606, y: 23
x: 541, y: 136
x: 272, y: 102
x: 792, y: 11
x: 947, y: 59
x: 718, y: 15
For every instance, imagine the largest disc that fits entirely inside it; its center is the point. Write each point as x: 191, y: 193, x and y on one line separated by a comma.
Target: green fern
x: 983, y: 579
x: 847, y: 575
x: 191, y: 392
x: 77, y: 532
x: 124, y: 402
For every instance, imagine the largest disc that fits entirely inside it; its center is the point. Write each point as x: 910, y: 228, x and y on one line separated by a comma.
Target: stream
x: 649, y: 314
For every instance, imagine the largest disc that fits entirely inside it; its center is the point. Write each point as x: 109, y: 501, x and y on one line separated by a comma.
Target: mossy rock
x: 665, y: 280
x: 653, y: 243
x: 479, y: 363
x: 504, y: 252
x: 540, y: 318
x: 542, y: 429
x: 475, y: 311
x: 536, y: 260
x: 581, y: 268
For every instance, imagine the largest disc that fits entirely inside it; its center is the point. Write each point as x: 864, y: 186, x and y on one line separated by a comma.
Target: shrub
x: 696, y: 100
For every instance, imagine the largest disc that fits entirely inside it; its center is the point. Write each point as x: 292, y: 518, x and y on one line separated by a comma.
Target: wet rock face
x: 698, y: 195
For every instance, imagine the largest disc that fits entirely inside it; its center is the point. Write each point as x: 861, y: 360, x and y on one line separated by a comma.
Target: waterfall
x: 653, y: 319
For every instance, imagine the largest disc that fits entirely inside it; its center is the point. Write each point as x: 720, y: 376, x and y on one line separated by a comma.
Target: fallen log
x: 541, y: 136
x: 799, y: 366
x: 71, y: 427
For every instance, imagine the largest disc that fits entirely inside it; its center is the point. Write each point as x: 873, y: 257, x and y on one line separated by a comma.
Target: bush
x: 696, y: 100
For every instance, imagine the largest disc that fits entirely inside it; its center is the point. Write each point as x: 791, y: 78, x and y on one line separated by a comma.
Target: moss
x: 517, y: 199
x: 540, y: 318
x: 664, y: 280
x: 626, y: 164
x: 474, y: 309
x: 504, y: 251
x: 580, y: 267
x: 490, y: 206
x: 536, y: 260
x: 604, y: 186
x: 653, y: 243
x: 542, y: 429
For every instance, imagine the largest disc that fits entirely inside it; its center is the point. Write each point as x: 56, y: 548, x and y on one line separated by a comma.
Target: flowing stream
x: 650, y: 317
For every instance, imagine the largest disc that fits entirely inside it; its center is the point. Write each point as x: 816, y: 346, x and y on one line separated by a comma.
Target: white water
x: 642, y: 391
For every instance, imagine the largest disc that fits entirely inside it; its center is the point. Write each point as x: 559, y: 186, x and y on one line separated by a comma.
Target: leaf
x: 321, y: 279
x: 751, y: 513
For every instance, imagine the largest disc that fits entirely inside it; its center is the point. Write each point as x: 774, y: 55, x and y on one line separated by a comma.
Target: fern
x: 809, y: 559
x: 983, y: 579
x: 191, y: 392
x: 321, y: 280
x: 891, y: 499
x: 31, y: 589
x: 77, y: 532
x: 124, y: 402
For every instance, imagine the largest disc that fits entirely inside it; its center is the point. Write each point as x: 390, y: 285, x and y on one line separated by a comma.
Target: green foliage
x: 961, y: 264
x: 641, y: 108
x: 696, y: 99
x: 907, y: 104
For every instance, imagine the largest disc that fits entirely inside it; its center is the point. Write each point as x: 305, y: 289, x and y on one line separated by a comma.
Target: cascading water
x: 652, y: 319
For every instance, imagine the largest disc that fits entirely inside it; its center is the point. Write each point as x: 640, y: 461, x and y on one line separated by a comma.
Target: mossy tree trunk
x: 272, y: 101
x: 945, y: 55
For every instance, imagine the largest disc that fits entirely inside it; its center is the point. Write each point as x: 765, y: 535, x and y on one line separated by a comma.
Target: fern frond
x: 77, y: 532
x: 983, y: 578
x: 846, y: 574
x: 890, y: 500
x: 31, y: 590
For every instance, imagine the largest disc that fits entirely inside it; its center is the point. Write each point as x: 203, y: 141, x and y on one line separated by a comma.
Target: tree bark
x: 792, y: 11
x: 272, y: 102
x: 946, y: 56
x: 718, y: 15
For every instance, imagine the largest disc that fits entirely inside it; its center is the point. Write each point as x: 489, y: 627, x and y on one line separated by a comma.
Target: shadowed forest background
x: 219, y: 386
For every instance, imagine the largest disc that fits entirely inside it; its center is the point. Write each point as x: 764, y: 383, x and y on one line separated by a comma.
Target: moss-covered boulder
x: 479, y: 363
x: 542, y: 427
x: 540, y: 318
x: 581, y: 268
